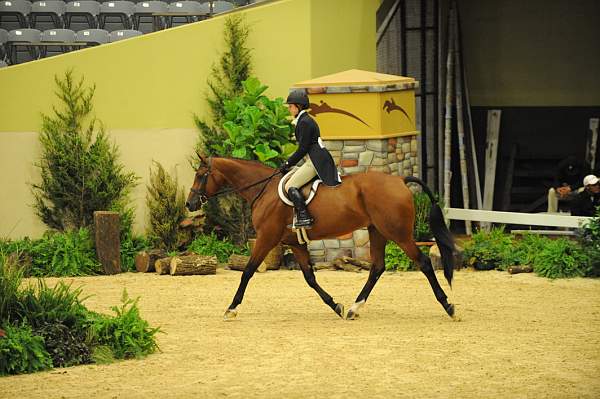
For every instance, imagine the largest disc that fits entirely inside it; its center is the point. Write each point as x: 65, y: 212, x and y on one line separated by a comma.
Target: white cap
x: 590, y: 180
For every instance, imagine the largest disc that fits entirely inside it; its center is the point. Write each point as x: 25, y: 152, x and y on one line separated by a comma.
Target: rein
x: 202, y: 190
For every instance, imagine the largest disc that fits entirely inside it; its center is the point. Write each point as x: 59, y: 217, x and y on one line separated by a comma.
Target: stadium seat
x: 21, y: 38
x: 92, y: 36
x: 194, y: 10
x: 123, y: 34
x: 121, y: 10
x: 84, y: 9
x: 3, y: 45
x: 57, y: 36
x: 54, y: 9
x: 19, y: 9
x: 221, y: 6
x: 145, y: 9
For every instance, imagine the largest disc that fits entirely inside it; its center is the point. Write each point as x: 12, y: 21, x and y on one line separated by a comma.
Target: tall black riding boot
x: 303, y: 218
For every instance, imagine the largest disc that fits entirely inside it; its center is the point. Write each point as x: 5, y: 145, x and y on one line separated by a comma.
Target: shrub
x: 589, y: 239
x: 487, y: 249
x: 126, y: 333
x: 131, y: 244
x: 422, y: 208
x: 210, y: 244
x: 561, y: 258
x: 80, y: 170
x: 65, y: 346
x: 70, y: 253
x: 166, y: 208
x: 397, y: 260
x: 22, y: 352
x: 522, y: 252
x: 11, y: 276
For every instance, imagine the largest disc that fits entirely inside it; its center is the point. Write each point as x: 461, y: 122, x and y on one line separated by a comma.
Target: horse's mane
x: 248, y: 161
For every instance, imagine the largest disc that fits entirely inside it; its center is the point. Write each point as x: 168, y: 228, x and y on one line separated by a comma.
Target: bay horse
x: 381, y: 202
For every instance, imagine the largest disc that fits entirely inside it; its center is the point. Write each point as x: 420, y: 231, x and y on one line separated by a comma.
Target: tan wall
x: 149, y: 87
x: 532, y: 53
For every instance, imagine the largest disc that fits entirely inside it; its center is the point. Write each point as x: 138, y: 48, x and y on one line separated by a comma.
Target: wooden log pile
x: 188, y: 265
x: 145, y: 260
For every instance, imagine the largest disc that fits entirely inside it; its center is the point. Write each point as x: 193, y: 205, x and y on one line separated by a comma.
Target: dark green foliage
x: 589, y: 239
x: 561, y: 258
x: 397, y: 260
x: 11, y: 276
x: 487, y: 249
x: 166, y: 208
x: 70, y: 253
x: 66, y: 346
x: 523, y: 251
x: 79, y: 169
x: 225, y: 82
x: 131, y: 244
x: 209, y: 244
x: 126, y: 333
x: 22, y: 352
x: 421, y: 230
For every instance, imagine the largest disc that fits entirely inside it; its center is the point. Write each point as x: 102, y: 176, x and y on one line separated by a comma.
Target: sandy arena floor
x: 520, y: 336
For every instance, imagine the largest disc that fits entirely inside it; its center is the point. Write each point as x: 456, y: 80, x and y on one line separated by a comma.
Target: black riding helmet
x: 299, y: 98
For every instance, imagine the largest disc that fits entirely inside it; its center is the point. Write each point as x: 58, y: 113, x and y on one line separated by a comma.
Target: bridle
x: 201, y: 192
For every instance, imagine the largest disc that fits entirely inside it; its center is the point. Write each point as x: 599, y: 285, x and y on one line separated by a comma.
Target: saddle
x: 309, y: 190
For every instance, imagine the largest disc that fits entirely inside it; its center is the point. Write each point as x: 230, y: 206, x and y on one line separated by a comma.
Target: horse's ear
x: 201, y: 158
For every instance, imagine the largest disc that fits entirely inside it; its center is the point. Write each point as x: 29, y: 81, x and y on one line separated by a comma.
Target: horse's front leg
x: 259, y: 252
x: 303, y: 258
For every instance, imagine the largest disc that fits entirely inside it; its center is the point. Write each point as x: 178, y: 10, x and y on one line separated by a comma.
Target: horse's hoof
x: 351, y: 315
x: 230, y: 314
x: 450, y: 310
x: 339, y: 309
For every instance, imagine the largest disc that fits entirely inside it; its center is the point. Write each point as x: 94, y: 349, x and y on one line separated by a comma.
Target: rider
x: 318, y: 162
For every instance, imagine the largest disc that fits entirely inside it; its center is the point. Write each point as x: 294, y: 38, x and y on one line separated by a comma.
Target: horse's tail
x: 440, y: 231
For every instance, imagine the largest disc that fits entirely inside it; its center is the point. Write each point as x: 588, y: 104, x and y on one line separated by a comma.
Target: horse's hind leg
x: 303, y: 258
x: 411, y: 249
x: 377, y: 242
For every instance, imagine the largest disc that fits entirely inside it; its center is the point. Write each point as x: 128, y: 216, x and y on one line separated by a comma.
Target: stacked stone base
x: 396, y: 156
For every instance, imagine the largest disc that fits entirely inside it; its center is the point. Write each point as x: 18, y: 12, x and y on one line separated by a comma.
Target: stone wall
x: 396, y: 156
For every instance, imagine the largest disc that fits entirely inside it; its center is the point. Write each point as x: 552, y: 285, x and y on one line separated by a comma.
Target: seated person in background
x: 569, y: 173
x: 586, y: 202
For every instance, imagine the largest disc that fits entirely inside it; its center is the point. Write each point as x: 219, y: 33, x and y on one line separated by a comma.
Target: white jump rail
x: 532, y: 219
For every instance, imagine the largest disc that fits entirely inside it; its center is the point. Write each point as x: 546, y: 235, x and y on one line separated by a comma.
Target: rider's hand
x: 284, y: 168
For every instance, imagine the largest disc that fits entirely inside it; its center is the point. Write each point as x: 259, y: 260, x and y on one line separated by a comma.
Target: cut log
x: 238, y: 262
x: 436, y: 259
x: 324, y: 266
x: 108, y: 244
x: 145, y: 260
x: 360, y: 263
x: 272, y: 260
x: 163, y: 265
x: 193, y: 264
x: 520, y: 269
x: 340, y: 264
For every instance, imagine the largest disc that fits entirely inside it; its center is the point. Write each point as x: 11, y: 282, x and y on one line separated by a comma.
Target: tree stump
x: 238, y: 262
x: 145, y: 260
x: 193, y: 264
x: 163, y: 265
x: 436, y: 258
x: 108, y: 244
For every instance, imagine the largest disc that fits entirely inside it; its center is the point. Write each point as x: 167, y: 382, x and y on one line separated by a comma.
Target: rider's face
x: 293, y: 108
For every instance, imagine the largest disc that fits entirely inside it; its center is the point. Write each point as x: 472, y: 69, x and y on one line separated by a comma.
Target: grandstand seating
x: 54, y: 9
x: 123, y: 34
x: 22, y: 21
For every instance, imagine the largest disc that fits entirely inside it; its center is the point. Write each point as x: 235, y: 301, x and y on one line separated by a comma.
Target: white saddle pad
x: 283, y: 196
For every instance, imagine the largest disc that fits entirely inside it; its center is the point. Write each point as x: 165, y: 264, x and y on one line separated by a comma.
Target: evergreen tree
x: 79, y: 168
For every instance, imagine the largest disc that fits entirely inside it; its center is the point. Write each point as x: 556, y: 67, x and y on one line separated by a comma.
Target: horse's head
x: 204, y: 185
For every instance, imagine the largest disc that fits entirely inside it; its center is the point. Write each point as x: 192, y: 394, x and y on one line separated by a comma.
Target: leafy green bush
x: 421, y: 230
x: 126, y: 333
x: 486, y: 250
x: 66, y: 346
x: 523, y: 252
x: 80, y: 169
x: 70, y: 253
x: 589, y: 239
x: 22, y: 352
x: 561, y: 258
x: 209, y: 244
x: 257, y: 127
x: 396, y: 259
x: 166, y: 209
